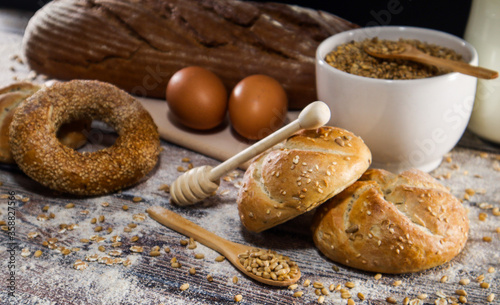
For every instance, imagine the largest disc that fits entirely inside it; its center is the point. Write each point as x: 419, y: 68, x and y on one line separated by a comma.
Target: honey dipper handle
x: 314, y: 115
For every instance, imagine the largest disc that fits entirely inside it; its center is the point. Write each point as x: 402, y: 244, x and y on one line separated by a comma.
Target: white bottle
x: 483, y: 32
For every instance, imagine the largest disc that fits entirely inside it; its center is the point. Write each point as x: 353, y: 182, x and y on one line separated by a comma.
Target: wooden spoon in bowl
x: 409, y: 52
x: 281, y: 271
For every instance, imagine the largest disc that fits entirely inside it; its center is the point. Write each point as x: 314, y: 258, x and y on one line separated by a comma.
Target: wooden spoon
x: 414, y: 54
x: 225, y: 247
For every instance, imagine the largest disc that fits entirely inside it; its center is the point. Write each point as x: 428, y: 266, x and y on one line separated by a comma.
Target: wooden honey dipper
x: 200, y: 182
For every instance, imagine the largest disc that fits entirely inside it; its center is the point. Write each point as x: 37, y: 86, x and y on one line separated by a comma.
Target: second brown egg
x: 257, y: 106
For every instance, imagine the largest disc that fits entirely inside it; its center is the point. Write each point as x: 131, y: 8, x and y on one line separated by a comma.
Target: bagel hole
x: 85, y: 135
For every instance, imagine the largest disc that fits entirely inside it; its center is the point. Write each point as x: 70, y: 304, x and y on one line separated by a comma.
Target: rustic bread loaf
x: 138, y: 45
x: 289, y: 180
x: 11, y: 96
x: 392, y: 223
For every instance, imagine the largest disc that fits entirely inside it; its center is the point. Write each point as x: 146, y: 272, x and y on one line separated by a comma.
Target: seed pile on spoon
x: 269, y: 264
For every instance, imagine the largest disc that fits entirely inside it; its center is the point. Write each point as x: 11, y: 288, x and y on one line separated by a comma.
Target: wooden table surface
x: 70, y: 234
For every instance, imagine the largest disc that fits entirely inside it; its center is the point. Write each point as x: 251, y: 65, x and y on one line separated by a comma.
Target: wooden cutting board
x: 220, y: 143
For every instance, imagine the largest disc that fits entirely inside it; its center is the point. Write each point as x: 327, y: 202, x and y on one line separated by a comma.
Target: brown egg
x: 197, y: 98
x: 257, y: 106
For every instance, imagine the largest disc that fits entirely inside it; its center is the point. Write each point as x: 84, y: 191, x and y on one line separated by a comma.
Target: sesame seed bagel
x: 39, y: 153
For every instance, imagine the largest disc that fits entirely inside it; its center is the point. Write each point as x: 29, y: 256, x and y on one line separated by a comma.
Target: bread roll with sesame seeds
x: 391, y: 223
x: 11, y: 96
x: 44, y: 158
x: 297, y: 176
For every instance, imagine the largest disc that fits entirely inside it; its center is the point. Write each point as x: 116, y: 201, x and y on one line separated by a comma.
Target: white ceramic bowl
x: 405, y: 123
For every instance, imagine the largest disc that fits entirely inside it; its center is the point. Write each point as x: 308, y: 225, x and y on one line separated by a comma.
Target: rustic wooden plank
x: 51, y: 278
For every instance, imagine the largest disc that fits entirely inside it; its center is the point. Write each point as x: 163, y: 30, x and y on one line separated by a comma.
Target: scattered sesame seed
x: 422, y: 296
x: 25, y: 252
x: 136, y: 249
x: 318, y: 285
x: 350, y: 284
x: 154, y: 253
x: 220, y: 258
x: 480, y: 278
x: 484, y: 285
x: 80, y: 265
x: 293, y: 287
x: 483, y: 216
x: 165, y: 188
x: 490, y: 297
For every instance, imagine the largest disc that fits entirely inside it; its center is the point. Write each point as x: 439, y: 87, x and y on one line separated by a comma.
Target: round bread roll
x: 297, y: 176
x: 392, y: 223
x: 10, y: 97
x: 70, y: 134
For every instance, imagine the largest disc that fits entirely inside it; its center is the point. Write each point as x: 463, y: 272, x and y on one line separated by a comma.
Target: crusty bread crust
x: 310, y: 167
x: 392, y: 223
x: 139, y: 45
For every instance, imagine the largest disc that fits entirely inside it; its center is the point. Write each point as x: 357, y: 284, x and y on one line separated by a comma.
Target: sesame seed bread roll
x: 391, y: 223
x: 293, y: 178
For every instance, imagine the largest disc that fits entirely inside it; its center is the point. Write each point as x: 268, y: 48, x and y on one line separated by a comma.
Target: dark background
x: 445, y: 15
